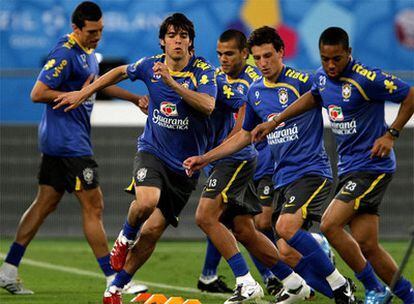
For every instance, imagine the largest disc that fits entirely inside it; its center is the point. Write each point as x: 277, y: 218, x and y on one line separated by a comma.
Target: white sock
x: 335, y: 279
x: 246, y: 279
x: 9, y: 270
x: 292, y: 281
x: 208, y: 279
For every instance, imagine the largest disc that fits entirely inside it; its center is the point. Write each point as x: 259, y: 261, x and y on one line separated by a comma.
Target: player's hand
x: 260, y: 132
x: 161, y: 69
x: 72, y: 99
x: 142, y: 103
x: 382, y: 146
x: 193, y: 164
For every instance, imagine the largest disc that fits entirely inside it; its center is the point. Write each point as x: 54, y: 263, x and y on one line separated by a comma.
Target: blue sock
x: 281, y: 270
x: 369, y: 279
x: 306, y: 271
x: 15, y: 254
x: 130, y: 232
x: 263, y: 270
x: 105, y: 266
x: 305, y: 243
x: 403, y: 290
x: 238, y: 265
x: 122, y: 278
x: 212, y: 259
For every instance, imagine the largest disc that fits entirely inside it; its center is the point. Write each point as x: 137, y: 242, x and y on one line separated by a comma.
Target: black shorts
x: 175, y: 188
x: 365, y: 189
x: 68, y: 173
x: 261, y: 190
x: 308, y: 193
x: 230, y: 179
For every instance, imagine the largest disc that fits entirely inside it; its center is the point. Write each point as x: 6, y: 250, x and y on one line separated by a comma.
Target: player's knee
x: 142, y: 209
x: 284, y: 229
x: 262, y: 223
x: 328, y: 227
x: 244, y: 233
x: 203, y: 221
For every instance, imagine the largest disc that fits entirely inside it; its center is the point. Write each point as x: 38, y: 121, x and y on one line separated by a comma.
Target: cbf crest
x: 240, y: 89
x: 88, y: 175
x: 346, y: 91
x: 283, y: 96
x: 141, y: 174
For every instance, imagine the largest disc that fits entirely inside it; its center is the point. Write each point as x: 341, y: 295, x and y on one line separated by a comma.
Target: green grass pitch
x: 64, y: 271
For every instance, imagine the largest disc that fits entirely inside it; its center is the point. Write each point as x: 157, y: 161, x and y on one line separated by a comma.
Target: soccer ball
x: 323, y: 242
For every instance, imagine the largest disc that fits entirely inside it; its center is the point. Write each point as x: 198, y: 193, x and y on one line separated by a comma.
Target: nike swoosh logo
x: 289, y: 205
x: 345, y: 193
x: 209, y: 189
x: 264, y: 196
x: 154, y: 80
x: 257, y: 102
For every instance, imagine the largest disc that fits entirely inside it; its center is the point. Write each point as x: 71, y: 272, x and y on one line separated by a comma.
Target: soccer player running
x: 182, y: 92
x: 222, y: 206
x: 302, y: 171
x: 232, y: 54
x: 354, y: 96
x: 67, y: 162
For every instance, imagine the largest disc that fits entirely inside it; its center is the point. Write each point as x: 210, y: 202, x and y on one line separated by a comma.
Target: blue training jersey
x: 67, y: 68
x: 355, y: 104
x: 296, y: 145
x: 231, y: 96
x: 174, y: 130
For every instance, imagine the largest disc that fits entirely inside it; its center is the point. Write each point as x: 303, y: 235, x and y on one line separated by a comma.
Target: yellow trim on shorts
x: 131, y: 185
x: 224, y: 192
x: 78, y: 184
x: 305, y: 206
x: 374, y: 183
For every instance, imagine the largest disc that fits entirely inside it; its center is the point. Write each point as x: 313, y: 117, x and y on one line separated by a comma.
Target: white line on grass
x: 87, y: 273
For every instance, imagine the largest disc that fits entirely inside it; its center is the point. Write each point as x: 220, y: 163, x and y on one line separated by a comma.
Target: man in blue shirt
x: 64, y: 140
x: 234, y: 79
x: 302, y: 188
x: 182, y: 91
x: 354, y: 95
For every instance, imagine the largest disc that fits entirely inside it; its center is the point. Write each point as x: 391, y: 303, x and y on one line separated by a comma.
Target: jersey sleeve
x: 251, y: 120
x: 136, y: 70
x: 315, y: 85
x: 386, y: 87
x: 206, y: 81
x: 306, y: 86
x: 227, y: 95
x: 57, y: 69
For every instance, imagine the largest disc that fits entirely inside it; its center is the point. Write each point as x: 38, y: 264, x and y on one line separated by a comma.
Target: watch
x: 394, y: 132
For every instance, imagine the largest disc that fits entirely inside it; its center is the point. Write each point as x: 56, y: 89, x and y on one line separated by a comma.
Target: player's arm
x: 43, y: 93
x: 202, y: 102
x: 304, y: 103
x: 239, y: 122
x: 384, y: 144
x: 120, y: 93
x: 237, y: 142
x: 75, y: 98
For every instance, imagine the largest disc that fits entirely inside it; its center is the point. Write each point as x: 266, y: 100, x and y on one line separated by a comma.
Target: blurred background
x: 381, y: 32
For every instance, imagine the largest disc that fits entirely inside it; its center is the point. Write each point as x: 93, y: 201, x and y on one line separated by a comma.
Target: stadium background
x: 381, y: 31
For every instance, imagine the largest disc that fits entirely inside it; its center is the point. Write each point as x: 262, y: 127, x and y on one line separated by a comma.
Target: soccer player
x: 222, y: 207
x: 232, y: 54
x: 182, y: 91
x: 354, y: 96
x: 302, y: 171
x: 67, y: 163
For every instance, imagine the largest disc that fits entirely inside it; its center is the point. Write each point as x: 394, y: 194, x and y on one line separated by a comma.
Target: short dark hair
x: 87, y: 10
x: 179, y: 22
x: 265, y: 34
x: 334, y: 36
x: 237, y: 35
